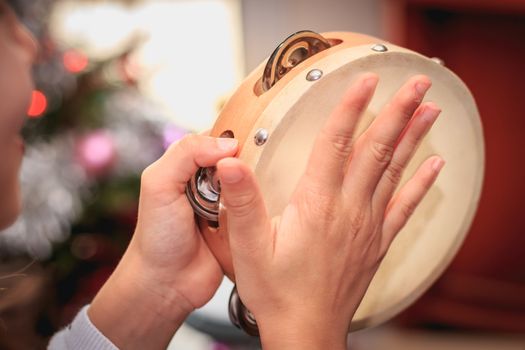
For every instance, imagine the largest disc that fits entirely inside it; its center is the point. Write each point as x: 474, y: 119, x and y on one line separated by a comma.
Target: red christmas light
x: 38, y: 104
x: 75, y: 61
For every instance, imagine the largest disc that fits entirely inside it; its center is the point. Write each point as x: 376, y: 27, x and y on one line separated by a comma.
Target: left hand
x: 167, y: 270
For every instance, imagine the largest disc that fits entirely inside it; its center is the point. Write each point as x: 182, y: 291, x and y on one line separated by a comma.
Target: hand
x: 167, y: 270
x: 303, y: 274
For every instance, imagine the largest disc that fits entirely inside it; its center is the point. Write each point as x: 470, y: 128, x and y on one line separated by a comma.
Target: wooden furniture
x: 483, y: 41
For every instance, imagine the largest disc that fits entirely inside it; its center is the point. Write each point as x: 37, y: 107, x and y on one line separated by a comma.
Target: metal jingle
x: 240, y: 316
x: 293, y: 50
x: 203, y: 192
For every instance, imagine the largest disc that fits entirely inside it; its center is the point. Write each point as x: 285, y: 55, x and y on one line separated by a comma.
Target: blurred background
x: 118, y: 81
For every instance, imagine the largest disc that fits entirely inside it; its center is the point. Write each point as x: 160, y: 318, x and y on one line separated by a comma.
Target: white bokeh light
x: 191, y: 55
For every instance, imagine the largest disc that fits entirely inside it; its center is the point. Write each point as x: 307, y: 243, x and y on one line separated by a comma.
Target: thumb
x: 182, y: 159
x: 248, y: 223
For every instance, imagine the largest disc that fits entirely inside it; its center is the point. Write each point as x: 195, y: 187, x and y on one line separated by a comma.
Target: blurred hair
x: 16, y: 5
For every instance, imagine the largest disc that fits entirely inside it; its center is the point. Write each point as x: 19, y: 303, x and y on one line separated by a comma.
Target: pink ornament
x: 96, y: 152
x: 171, y: 134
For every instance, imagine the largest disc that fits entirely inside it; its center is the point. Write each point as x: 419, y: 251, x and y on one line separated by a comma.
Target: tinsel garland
x: 101, y: 102
x: 55, y: 184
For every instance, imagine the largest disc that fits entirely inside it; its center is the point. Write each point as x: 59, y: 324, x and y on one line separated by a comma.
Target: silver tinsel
x: 136, y: 126
x: 55, y: 185
x: 53, y: 188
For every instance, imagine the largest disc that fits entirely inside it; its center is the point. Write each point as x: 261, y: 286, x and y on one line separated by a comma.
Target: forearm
x: 134, y: 315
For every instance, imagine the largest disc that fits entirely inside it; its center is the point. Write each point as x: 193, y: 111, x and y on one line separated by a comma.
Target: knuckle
x: 394, y: 172
x: 241, y: 205
x: 382, y: 152
x: 173, y: 146
x: 413, y: 142
x: 324, y: 211
x: 356, y: 222
x: 319, y: 204
x: 187, y: 143
x: 147, y: 173
x: 341, y: 143
x: 407, y: 209
x: 185, y: 149
x: 147, y: 177
x: 411, y: 96
x: 407, y: 111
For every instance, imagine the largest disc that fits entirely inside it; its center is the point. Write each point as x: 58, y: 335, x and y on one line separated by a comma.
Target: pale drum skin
x: 443, y: 218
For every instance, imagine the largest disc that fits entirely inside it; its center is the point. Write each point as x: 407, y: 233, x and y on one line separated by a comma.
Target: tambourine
x: 276, y: 114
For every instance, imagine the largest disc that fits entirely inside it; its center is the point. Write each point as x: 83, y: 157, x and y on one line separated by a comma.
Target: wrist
x: 301, y: 333
x: 134, y: 312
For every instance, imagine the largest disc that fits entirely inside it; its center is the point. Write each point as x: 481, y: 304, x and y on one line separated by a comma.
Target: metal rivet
x: 314, y: 74
x: 261, y: 136
x: 379, y: 48
x: 438, y: 61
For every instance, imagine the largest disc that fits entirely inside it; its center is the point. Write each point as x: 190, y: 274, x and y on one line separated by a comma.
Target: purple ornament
x: 171, y: 134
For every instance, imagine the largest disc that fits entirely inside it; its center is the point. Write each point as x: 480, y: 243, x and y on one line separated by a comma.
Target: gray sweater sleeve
x: 81, y: 334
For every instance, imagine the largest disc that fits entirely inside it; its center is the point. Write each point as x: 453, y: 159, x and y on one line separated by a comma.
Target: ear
x: 20, y: 34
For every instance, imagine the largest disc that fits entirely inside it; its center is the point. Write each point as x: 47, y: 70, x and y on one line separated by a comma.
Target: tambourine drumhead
x: 293, y: 114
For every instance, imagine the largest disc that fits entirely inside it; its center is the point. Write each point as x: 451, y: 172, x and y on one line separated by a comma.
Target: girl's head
x: 17, y: 52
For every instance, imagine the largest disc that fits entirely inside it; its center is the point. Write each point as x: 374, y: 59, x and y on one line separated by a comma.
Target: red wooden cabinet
x: 483, y: 42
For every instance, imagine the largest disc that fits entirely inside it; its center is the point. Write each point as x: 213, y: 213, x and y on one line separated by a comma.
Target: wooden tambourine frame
x: 276, y: 114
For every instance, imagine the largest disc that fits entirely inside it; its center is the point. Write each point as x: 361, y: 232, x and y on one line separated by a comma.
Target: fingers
x: 331, y: 151
x: 246, y: 211
x: 409, y: 142
x: 411, y: 194
x: 376, y: 145
x: 182, y: 159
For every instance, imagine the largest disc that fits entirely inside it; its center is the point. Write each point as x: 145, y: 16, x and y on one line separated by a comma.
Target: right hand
x: 303, y: 273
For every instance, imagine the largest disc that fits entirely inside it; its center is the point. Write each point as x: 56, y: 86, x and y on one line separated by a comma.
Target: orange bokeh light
x: 38, y: 104
x: 75, y: 61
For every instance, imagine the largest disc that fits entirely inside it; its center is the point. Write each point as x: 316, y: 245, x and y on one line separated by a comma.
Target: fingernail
x: 231, y: 175
x: 430, y: 114
x: 438, y: 164
x: 422, y: 87
x: 226, y: 144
